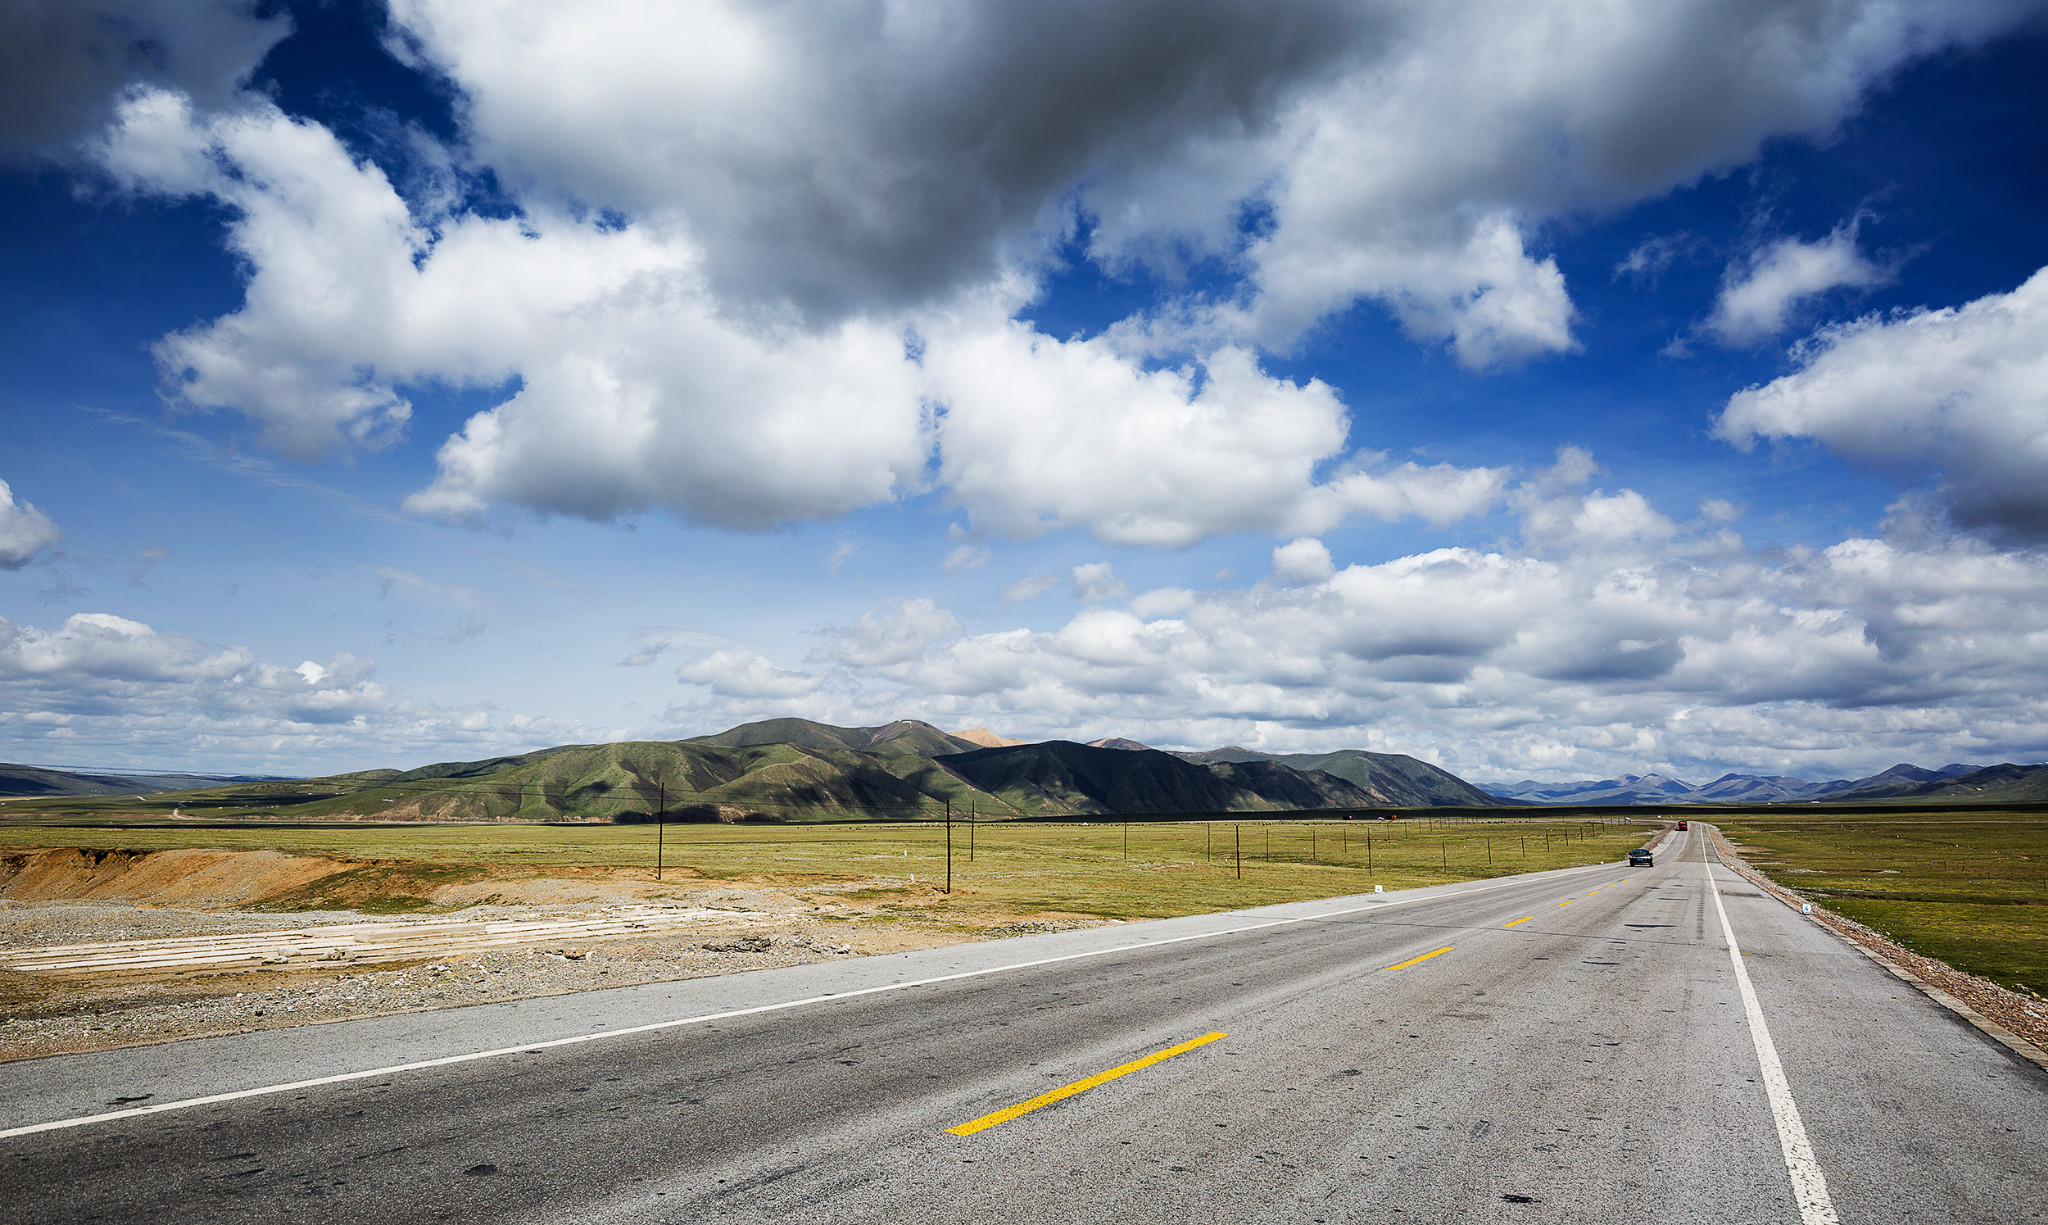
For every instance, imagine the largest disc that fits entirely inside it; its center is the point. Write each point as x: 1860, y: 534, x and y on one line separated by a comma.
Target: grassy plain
x: 1967, y: 888
x: 1143, y: 869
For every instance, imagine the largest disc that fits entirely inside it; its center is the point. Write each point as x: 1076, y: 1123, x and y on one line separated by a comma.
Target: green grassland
x: 1970, y: 889
x: 1143, y: 869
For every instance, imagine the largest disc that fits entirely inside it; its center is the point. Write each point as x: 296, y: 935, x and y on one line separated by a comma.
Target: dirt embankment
x: 234, y: 880
x: 198, y: 879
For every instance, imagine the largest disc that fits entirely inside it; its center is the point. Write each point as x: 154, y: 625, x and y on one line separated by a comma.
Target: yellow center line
x: 1080, y: 1086
x: 1425, y: 957
x: 1524, y: 919
x: 1568, y: 901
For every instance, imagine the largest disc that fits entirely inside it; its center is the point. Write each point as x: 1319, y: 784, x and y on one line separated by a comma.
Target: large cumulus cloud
x: 766, y: 257
x: 1963, y: 391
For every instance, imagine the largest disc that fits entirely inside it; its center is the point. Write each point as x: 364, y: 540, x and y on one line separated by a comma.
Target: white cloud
x: 1761, y: 295
x: 1964, y: 390
x: 1651, y: 257
x: 1098, y: 581
x: 105, y: 688
x: 1304, y: 560
x: 391, y: 579
x: 1622, y: 645
x: 736, y: 672
x: 966, y: 557
x: 882, y: 639
x: 1162, y: 602
x: 1030, y: 587
x: 654, y: 643
x: 25, y: 532
x: 1042, y: 433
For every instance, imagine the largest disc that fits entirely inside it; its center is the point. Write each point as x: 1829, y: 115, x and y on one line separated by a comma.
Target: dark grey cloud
x: 879, y: 157
x: 63, y: 63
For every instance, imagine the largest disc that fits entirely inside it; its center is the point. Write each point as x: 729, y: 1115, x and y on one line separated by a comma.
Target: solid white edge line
x: 1809, y: 1184
x: 654, y: 1026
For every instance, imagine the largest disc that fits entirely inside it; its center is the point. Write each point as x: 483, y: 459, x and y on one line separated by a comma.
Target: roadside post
x: 660, y: 823
x: 949, y: 846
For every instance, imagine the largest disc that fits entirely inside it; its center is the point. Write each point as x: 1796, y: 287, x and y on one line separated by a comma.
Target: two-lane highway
x: 1565, y: 1046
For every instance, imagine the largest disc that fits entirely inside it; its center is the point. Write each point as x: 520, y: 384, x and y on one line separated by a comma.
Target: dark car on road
x: 1641, y: 857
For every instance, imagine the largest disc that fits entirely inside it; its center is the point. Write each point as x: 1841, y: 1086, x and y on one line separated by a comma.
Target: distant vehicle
x: 1682, y: 825
x: 1390, y: 816
x: 1641, y: 858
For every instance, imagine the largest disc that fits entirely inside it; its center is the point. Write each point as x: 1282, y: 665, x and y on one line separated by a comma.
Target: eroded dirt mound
x: 228, y: 880
x: 198, y: 879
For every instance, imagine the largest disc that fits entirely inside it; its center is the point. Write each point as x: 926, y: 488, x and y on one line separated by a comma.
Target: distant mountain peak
x: 986, y: 738
x: 1118, y: 742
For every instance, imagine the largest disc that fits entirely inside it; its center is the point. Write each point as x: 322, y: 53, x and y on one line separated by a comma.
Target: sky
x: 1544, y: 388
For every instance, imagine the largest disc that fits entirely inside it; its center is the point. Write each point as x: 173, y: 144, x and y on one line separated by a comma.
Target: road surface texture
x: 1584, y: 1048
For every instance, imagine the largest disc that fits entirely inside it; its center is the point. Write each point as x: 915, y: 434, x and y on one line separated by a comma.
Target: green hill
x: 1059, y: 776
x: 2001, y: 784
x: 679, y: 781
x: 1389, y: 780
x: 799, y: 770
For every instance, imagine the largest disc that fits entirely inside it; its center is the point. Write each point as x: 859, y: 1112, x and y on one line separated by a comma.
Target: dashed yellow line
x: 1518, y: 922
x: 1568, y: 901
x: 1081, y: 1086
x: 1425, y: 957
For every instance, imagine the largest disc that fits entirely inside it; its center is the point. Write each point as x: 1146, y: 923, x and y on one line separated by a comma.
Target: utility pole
x: 660, y: 823
x: 1127, y: 842
x: 970, y: 832
x: 1238, y: 831
x: 949, y: 846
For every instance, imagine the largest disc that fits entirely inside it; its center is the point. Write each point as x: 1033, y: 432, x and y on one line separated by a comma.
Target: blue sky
x: 1545, y: 390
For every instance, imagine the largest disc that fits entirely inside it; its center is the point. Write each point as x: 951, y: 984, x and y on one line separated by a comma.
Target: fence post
x: 660, y: 824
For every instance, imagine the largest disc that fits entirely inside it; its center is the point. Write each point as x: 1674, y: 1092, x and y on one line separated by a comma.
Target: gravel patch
x: 164, y: 1010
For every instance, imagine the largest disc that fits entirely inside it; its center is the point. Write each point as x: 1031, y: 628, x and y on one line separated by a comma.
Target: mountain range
x: 41, y: 781
x: 796, y: 769
x: 2001, y: 783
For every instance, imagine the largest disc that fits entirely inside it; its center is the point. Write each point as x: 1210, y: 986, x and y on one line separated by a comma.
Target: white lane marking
x: 1809, y: 1185
x: 655, y: 1026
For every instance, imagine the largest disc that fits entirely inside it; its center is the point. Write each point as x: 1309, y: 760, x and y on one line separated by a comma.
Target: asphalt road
x: 1596, y: 1061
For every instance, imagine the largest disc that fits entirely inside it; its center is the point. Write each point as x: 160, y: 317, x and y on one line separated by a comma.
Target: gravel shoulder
x: 50, y: 1015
